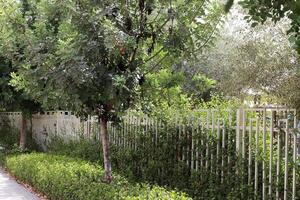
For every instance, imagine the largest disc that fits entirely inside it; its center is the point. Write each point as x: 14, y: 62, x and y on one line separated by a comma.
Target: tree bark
x: 105, y: 146
x: 23, y: 133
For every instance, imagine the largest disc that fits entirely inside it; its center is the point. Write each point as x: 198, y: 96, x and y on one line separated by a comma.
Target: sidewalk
x: 11, y: 190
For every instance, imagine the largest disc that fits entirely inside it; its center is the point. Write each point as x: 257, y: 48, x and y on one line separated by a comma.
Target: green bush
x: 162, y: 165
x: 9, y: 139
x: 90, y: 150
x: 2, y: 158
x: 62, y: 177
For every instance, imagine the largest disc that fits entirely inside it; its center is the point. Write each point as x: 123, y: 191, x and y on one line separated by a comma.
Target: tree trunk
x: 31, y: 127
x: 23, y: 133
x: 105, y: 147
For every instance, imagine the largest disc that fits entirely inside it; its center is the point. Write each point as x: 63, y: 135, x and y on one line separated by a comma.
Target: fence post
x: 243, y: 132
x: 294, y: 155
x: 250, y: 152
x: 271, y: 155
x: 238, y: 136
x: 256, y: 157
x: 264, y: 154
x: 286, y: 154
x: 278, y: 161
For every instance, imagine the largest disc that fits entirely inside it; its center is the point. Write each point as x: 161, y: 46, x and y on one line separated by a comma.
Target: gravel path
x: 11, y: 190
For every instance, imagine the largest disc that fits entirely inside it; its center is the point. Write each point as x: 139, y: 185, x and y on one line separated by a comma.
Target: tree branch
x: 153, y: 56
x: 154, y: 66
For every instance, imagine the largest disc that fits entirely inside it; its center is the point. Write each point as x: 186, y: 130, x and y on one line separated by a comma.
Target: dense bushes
x: 89, y: 150
x: 62, y: 177
x: 2, y: 157
x: 9, y: 139
x: 163, y: 164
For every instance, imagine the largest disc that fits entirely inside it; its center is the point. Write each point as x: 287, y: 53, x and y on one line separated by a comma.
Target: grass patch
x: 62, y: 177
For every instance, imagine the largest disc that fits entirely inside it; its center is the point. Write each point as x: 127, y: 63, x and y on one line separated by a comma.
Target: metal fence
x: 259, y: 146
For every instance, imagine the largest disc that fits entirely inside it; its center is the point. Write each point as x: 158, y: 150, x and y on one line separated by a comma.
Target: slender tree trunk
x: 105, y: 147
x: 23, y: 133
x: 31, y: 126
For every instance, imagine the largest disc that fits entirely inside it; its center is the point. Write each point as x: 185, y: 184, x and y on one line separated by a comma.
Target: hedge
x: 63, y: 178
x: 161, y: 165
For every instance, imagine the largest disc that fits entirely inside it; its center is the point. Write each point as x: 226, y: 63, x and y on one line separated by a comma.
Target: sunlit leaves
x: 260, y: 11
x: 99, y: 53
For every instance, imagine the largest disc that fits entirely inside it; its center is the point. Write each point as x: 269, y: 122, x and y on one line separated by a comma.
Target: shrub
x: 161, y: 165
x: 62, y: 177
x: 89, y: 150
x: 9, y: 139
x: 2, y: 158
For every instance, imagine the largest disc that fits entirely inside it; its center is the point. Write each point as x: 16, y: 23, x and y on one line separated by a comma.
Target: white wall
x: 51, y: 123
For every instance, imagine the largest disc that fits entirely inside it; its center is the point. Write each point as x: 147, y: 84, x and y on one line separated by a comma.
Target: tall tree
x: 261, y: 10
x: 11, y: 99
x: 92, y: 56
x: 258, y: 61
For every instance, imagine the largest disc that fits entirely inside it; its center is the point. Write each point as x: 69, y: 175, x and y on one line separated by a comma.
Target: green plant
x: 62, y: 177
x: 93, y: 56
x: 2, y: 157
x: 82, y: 148
x: 8, y: 137
x: 163, y: 163
x: 9, y: 140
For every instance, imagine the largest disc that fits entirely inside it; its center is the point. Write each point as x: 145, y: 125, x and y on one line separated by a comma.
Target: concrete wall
x: 52, y: 123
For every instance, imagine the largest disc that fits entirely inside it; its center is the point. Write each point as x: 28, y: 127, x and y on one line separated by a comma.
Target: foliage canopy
x: 260, y: 11
x: 92, y: 55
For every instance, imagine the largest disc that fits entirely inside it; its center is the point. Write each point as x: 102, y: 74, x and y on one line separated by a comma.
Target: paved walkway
x: 11, y: 190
